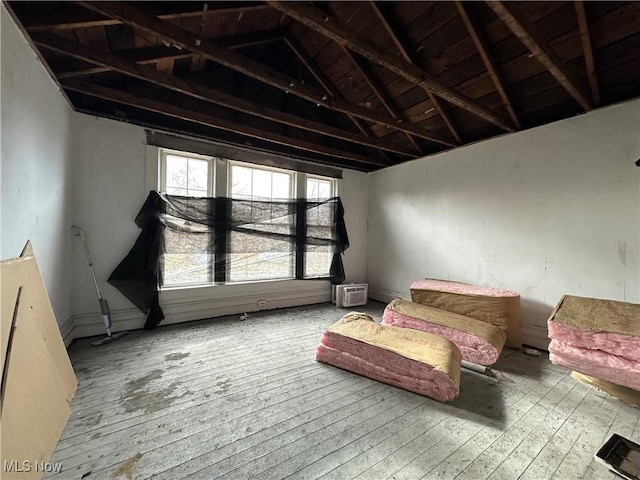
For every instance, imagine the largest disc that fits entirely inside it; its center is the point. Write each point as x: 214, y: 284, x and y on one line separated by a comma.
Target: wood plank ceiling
x: 360, y: 85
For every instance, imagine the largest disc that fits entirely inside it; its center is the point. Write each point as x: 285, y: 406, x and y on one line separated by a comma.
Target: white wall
x: 35, y: 168
x: 353, y: 193
x: 109, y: 179
x: 545, y: 212
x: 109, y: 190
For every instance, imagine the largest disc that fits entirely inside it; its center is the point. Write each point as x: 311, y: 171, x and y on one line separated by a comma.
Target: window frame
x: 333, y: 193
x: 219, y: 185
x: 332, y: 181
x: 292, y: 196
x: 293, y: 188
x: 162, y: 177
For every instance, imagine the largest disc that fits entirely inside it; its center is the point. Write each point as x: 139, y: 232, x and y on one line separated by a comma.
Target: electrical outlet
x: 262, y: 303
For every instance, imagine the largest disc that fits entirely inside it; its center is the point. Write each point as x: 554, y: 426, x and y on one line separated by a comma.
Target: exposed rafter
x: 192, y: 9
x: 362, y: 79
x: 190, y: 115
x: 201, y: 92
x: 583, y: 25
x: 322, y: 79
x: 320, y: 76
x: 379, y: 91
x: 156, y: 53
x: 185, y: 39
x: 522, y: 29
x: 478, y: 39
x: 328, y: 26
x: 409, y: 58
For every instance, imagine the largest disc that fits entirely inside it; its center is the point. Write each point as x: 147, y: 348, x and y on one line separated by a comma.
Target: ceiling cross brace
x: 378, y: 91
x: 481, y: 45
x: 524, y: 31
x: 328, y: 26
x: 197, y: 12
x: 405, y: 54
x: 588, y: 50
x: 325, y: 83
x: 199, y: 91
x: 190, y: 115
x: 187, y: 40
x: 156, y: 53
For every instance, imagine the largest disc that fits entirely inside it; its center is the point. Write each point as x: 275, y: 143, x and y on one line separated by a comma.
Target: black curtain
x: 215, y: 229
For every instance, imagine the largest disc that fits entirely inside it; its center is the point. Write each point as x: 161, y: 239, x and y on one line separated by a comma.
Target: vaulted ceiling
x: 360, y: 85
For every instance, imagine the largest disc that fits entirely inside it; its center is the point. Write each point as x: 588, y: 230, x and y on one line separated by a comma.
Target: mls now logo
x: 16, y: 466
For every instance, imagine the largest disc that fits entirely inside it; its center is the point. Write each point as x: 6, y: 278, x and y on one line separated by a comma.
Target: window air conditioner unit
x: 351, y: 295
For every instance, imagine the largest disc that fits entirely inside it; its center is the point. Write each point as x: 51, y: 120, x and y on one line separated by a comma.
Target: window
x: 320, y: 188
x: 190, y: 176
x: 262, y: 199
x: 319, y: 220
x: 258, y: 183
x: 247, y: 263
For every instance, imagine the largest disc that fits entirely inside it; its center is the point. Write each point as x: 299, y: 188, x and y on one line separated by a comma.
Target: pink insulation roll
x: 598, y: 338
x: 596, y: 363
x: 491, y: 305
x: 625, y: 346
x: 478, y: 342
x: 416, y: 361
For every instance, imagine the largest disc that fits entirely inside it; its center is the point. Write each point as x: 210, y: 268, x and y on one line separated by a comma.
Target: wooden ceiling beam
x: 84, y: 21
x: 187, y: 40
x: 583, y: 25
x: 190, y: 115
x: 156, y: 53
x: 379, y: 91
x: 328, y: 26
x: 409, y: 58
x: 310, y: 65
x: 483, y: 49
x: 524, y: 31
x: 322, y: 79
x: 100, y: 110
x: 201, y: 92
x: 142, y: 56
x: 326, y: 84
x: 448, y: 121
x: 241, y: 40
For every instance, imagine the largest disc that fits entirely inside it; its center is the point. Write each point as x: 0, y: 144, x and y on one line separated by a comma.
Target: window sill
x: 242, y: 289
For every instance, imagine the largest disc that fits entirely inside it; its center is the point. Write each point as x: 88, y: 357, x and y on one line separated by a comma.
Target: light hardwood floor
x: 235, y: 399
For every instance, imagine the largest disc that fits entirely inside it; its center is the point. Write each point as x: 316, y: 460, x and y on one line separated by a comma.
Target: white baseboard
x: 66, y: 330
x: 386, y: 295
x: 197, y: 304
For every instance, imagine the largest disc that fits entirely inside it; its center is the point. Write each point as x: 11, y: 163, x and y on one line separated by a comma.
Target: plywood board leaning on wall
x: 38, y: 382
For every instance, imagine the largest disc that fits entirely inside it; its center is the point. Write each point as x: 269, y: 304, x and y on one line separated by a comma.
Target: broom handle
x: 86, y: 250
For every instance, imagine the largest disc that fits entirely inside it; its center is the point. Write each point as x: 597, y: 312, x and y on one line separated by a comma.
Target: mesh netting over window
x: 189, y: 241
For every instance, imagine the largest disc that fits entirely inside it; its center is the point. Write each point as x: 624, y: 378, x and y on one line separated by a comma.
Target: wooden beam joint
x: 342, y: 34
x: 522, y: 29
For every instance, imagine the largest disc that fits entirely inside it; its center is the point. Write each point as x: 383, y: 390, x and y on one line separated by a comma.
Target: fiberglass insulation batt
x: 599, y: 338
x: 492, y: 305
x: 416, y: 361
x: 479, y: 342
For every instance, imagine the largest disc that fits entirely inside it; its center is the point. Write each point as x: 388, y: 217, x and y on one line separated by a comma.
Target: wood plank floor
x: 245, y: 399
